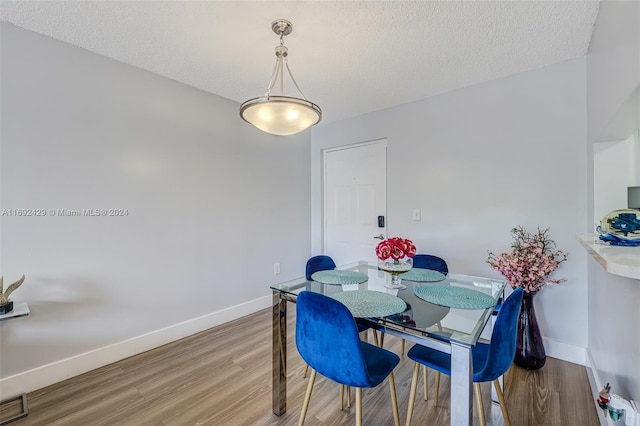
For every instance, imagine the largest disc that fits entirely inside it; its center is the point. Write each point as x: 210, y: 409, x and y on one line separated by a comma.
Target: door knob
x: 379, y: 237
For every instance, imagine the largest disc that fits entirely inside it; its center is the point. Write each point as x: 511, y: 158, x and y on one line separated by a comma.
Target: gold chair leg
x: 341, y: 397
x: 375, y: 338
x: 436, y: 388
x: 307, y: 397
x: 306, y: 371
x: 348, y: 396
x: 425, y: 382
x: 478, y: 395
x: 394, y: 400
x: 358, y: 406
x: 412, y: 393
x: 503, y: 404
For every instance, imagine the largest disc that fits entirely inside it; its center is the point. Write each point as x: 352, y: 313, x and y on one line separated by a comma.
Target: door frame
x: 325, y: 151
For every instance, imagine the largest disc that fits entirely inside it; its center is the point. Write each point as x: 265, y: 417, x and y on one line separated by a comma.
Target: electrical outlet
x: 276, y: 268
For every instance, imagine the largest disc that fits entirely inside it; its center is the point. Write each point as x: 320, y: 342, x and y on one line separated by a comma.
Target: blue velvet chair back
x: 319, y: 263
x: 502, y: 349
x: 428, y: 261
x: 327, y: 339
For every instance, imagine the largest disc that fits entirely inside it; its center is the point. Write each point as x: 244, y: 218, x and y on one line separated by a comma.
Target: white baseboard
x: 49, y: 374
x: 564, y: 351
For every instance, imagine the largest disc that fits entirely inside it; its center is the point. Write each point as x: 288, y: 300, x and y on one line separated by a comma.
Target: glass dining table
x: 446, y: 313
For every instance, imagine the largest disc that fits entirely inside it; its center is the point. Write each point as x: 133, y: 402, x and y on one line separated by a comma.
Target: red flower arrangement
x: 395, y: 248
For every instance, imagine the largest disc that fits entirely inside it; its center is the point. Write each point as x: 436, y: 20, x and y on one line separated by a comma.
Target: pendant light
x: 278, y: 114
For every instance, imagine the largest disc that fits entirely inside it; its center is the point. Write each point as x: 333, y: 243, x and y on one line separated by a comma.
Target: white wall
x: 212, y: 205
x: 479, y: 161
x: 613, y: 86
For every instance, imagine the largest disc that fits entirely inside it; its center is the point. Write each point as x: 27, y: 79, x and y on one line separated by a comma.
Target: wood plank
x: 222, y: 376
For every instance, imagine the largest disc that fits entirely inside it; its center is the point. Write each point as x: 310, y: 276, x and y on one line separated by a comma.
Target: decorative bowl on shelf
x: 620, y: 227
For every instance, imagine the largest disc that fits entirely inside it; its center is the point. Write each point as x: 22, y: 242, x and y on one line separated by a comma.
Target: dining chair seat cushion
x: 441, y: 362
x: 379, y: 363
x: 327, y: 339
x: 436, y: 360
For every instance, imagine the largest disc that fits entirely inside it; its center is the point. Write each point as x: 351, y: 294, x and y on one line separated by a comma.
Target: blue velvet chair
x: 327, y: 339
x: 319, y: 263
x: 323, y: 263
x: 490, y: 360
x: 429, y: 261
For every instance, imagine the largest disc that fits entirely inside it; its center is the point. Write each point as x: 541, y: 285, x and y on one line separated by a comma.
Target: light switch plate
x: 417, y: 214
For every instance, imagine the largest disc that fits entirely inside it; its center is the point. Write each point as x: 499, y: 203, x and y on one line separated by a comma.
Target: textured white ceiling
x: 349, y: 57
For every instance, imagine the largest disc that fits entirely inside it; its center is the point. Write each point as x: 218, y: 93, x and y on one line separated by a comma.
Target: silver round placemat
x: 368, y: 303
x: 455, y: 297
x: 336, y: 276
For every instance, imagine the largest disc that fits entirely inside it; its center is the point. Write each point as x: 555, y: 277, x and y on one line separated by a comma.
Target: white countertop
x: 618, y: 260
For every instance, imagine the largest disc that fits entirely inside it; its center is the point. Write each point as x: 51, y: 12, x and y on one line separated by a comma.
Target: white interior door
x: 355, y: 195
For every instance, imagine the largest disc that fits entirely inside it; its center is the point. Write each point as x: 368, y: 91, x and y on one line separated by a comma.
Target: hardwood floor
x: 222, y: 376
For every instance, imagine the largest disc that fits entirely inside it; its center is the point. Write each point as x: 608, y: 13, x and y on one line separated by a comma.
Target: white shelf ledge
x: 618, y: 260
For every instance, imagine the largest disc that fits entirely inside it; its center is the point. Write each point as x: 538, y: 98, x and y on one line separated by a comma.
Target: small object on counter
x: 603, y: 397
x: 621, y: 410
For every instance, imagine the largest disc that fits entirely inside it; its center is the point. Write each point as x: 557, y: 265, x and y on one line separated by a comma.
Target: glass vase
x: 396, y: 267
x: 530, y: 353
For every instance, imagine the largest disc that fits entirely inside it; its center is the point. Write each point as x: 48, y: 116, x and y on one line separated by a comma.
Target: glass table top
x: 462, y: 326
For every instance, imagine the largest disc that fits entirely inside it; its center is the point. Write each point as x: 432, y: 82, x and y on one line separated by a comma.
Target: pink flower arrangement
x: 395, y: 248
x: 533, y: 258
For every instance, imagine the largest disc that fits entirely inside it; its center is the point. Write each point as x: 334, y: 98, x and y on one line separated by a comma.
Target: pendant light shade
x: 278, y: 114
